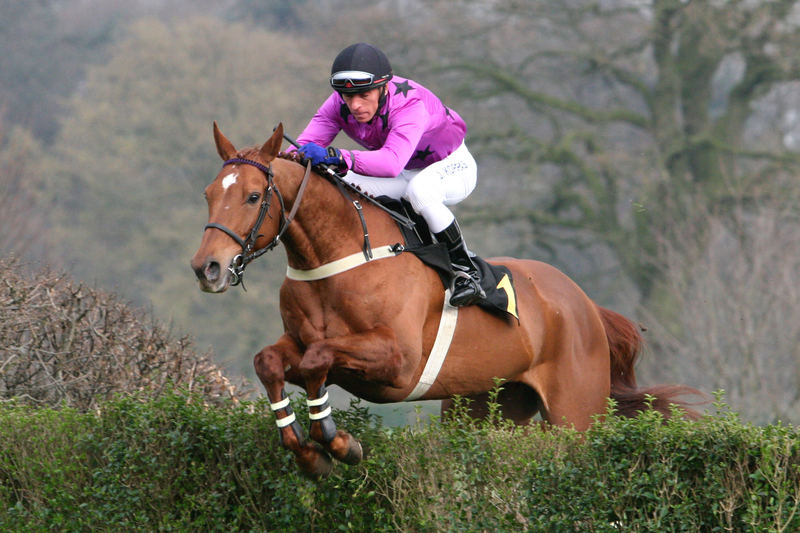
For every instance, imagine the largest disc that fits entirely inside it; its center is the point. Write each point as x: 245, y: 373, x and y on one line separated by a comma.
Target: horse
x: 376, y: 321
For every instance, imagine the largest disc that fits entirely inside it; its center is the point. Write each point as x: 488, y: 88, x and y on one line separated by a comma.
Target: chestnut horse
x: 381, y: 327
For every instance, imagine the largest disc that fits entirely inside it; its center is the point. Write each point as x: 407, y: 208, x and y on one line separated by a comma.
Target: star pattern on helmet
x: 403, y: 87
x: 423, y: 154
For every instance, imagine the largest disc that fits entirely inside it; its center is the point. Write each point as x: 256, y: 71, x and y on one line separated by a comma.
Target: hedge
x: 177, y: 463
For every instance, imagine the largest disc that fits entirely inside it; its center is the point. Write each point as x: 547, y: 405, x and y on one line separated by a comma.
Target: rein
x: 240, y: 261
x: 342, y: 185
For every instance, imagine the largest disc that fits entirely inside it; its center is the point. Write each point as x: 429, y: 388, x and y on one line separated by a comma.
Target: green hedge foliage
x: 176, y: 463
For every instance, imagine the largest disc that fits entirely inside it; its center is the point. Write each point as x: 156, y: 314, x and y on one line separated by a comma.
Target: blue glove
x: 322, y: 156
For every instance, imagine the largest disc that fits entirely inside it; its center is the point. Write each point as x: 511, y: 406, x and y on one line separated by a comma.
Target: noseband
x: 240, y: 261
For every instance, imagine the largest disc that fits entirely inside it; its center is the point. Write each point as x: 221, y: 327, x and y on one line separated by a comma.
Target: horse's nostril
x: 211, y: 271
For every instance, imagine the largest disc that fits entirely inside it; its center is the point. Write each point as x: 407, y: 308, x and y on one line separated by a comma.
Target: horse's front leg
x: 271, y: 365
x: 374, y: 354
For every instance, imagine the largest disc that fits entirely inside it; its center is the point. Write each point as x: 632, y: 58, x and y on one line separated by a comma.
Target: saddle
x: 496, y: 280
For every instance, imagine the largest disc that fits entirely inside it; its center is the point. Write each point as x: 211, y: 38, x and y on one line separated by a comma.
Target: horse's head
x: 239, y: 212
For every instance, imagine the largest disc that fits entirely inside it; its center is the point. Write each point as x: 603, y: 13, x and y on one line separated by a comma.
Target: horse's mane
x: 252, y: 152
x: 291, y: 156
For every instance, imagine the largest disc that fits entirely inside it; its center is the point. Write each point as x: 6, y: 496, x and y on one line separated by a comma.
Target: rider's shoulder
x: 405, y: 88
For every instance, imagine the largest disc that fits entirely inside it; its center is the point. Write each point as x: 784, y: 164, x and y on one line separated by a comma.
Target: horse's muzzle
x: 211, y: 275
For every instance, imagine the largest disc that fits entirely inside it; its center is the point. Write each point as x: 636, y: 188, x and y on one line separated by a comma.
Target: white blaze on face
x: 229, y: 180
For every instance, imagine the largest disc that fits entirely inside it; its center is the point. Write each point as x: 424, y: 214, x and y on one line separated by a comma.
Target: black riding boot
x: 466, y: 288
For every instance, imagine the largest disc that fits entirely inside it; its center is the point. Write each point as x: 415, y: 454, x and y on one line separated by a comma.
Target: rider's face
x: 363, y: 106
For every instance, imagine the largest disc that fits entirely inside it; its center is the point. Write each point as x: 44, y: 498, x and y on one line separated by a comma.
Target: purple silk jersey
x: 411, y: 130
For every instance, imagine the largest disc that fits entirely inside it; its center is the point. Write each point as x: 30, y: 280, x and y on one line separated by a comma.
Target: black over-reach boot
x: 466, y: 288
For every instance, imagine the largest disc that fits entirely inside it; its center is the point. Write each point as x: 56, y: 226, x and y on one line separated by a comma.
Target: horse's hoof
x: 316, y: 464
x: 355, y: 453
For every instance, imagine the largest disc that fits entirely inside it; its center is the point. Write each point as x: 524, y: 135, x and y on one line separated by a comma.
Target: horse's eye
x: 253, y: 198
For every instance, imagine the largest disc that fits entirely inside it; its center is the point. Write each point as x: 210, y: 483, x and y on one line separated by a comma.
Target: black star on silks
x: 403, y: 88
x: 423, y: 154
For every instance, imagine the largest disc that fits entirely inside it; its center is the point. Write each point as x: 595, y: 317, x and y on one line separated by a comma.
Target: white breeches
x: 431, y: 189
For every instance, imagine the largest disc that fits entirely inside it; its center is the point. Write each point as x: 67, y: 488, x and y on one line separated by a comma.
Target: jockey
x: 413, y: 148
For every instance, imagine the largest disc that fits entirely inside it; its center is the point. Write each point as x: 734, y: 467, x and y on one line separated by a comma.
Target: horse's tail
x: 625, y: 344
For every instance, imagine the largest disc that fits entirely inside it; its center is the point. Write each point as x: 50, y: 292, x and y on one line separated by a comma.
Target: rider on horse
x: 414, y: 149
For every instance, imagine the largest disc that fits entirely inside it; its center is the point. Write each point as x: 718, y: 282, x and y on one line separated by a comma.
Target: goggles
x: 352, y: 79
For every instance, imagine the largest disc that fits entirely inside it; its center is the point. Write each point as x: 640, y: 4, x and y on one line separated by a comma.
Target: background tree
x: 21, y: 216
x: 129, y: 167
x: 616, y: 140
x: 636, y: 137
x: 63, y: 343
x: 48, y: 44
x: 734, y: 320
x: 618, y: 114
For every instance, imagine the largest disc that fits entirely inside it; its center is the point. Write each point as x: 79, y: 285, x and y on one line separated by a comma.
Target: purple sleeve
x: 408, y: 125
x: 324, y: 125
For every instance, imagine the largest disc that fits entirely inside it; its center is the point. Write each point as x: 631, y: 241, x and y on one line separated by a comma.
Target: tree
x: 731, y: 319
x: 622, y: 112
x: 664, y: 132
x: 48, y: 44
x: 598, y: 127
x: 44, y: 54
x: 127, y: 172
x: 21, y: 217
x: 63, y: 343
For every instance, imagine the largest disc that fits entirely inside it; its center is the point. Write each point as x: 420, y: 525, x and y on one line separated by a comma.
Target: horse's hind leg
x: 516, y: 402
x: 270, y: 365
x: 573, y: 393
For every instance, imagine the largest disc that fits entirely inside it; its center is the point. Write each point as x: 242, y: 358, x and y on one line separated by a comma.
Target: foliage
x: 728, y: 317
x: 45, y: 54
x: 64, y: 343
x: 175, y: 463
x: 126, y: 174
x: 652, y: 148
x: 49, y: 44
x: 606, y: 134
x: 22, y: 221
x: 614, y: 117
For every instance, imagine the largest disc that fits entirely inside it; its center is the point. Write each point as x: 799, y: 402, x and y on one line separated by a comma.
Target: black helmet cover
x: 358, y: 68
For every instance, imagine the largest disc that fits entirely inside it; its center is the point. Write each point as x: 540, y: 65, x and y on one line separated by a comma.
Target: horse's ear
x: 225, y: 148
x: 273, y: 145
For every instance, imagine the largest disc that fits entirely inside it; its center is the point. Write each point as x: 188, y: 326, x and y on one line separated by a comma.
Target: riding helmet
x: 360, y: 67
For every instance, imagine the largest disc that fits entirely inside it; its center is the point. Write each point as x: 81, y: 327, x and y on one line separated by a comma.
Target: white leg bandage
x: 287, y: 420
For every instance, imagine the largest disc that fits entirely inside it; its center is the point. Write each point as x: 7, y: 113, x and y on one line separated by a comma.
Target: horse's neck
x: 326, y: 226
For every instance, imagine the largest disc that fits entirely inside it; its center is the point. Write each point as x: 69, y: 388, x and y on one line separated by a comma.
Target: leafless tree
x: 607, y: 118
x: 730, y: 316
x: 21, y: 221
x: 64, y: 343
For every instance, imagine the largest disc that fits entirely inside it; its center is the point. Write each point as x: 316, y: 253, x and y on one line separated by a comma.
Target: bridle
x: 240, y: 261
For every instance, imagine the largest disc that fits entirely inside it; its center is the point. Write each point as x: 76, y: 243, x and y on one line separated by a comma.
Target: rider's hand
x: 322, y: 156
